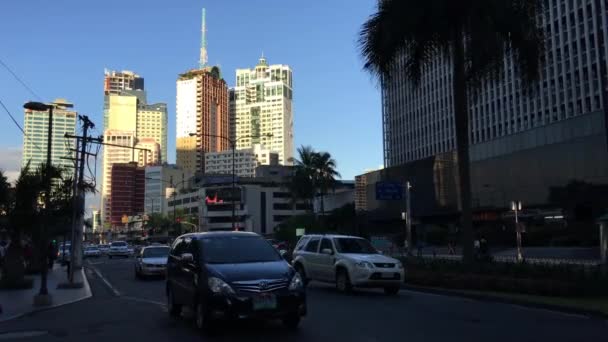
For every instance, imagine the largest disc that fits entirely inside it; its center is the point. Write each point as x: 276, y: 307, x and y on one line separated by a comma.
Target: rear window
x: 119, y: 244
x: 156, y: 252
x: 237, y: 250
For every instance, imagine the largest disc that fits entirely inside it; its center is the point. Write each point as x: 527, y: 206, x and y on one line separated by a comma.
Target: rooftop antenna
x: 203, y: 57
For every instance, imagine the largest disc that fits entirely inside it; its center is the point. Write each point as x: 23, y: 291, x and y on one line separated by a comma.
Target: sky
x: 60, y: 48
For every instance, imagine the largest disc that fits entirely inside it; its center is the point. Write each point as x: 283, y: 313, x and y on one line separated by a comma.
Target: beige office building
x: 111, y: 156
x: 262, y: 105
x: 245, y: 161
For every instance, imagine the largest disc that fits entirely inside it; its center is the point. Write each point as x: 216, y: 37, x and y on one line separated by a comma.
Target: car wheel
x: 201, y: 320
x: 174, y: 309
x: 391, y: 290
x: 302, y: 273
x: 343, y: 281
x: 291, y: 321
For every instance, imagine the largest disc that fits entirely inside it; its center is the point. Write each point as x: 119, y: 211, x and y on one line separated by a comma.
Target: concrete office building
x: 261, y: 206
x: 127, y: 192
x: 262, y: 105
x: 161, y: 181
x: 523, y: 142
x: 114, y: 155
x: 245, y: 161
x: 152, y: 124
x: 36, y: 136
x: 201, y: 112
x: 148, y: 152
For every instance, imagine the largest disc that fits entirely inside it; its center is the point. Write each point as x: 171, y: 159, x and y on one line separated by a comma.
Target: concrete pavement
x: 137, y: 312
x: 20, y: 302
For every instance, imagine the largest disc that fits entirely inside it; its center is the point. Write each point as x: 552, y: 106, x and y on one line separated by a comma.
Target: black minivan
x: 232, y: 275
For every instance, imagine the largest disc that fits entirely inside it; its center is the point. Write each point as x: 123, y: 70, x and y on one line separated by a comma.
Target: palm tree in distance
x: 474, y: 36
x: 326, y: 174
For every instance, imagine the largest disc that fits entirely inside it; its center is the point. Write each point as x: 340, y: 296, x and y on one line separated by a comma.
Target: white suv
x: 347, y: 261
x: 119, y: 248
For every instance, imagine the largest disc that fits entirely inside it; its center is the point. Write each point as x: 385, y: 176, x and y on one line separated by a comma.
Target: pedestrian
x: 476, y: 247
x: 51, y: 254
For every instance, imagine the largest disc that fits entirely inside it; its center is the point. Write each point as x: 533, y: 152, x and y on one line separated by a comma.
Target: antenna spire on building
x: 203, y: 57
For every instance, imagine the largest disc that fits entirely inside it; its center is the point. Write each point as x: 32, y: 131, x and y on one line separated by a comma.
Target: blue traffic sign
x: 389, y: 191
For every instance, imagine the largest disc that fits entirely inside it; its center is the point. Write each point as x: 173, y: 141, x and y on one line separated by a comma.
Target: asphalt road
x: 133, y: 310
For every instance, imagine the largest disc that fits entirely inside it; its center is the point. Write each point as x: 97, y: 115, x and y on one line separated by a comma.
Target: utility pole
x: 78, y: 214
x: 408, y: 217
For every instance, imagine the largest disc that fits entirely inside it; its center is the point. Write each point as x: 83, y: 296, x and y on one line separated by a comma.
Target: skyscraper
x: 113, y: 155
x: 132, y: 122
x: 262, y: 106
x: 201, y: 112
x: 36, y: 135
x: 523, y: 141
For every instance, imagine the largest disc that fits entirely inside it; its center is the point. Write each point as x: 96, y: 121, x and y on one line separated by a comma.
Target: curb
x: 35, y: 309
x: 498, y: 299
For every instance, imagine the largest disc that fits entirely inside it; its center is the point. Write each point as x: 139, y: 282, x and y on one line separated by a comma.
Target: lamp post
x: 232, y: 143
x: 516, y: 207
x: 43, y: 297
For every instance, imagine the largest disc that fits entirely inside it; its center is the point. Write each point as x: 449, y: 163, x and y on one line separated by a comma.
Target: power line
x: 19, y: 126
x: 20, y: 80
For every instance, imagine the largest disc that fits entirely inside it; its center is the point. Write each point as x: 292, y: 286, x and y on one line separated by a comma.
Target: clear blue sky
x: 61, y: 47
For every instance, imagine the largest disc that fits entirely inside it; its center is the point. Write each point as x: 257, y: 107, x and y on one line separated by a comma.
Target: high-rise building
x: 96, y: 221
x: 245, y: 161
x: 161, y: 180
x: 152, y: 124
x: 202, y: 113
x: 129, y: 119
x: 128, y: 188
x: 117, y: 81
x: 147, y: 152
x: 263, y: 107
x: 114, y: 155
x: 36, y: 136
x: 546, y: 135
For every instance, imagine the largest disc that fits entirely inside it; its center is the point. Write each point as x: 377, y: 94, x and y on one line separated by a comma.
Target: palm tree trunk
x: 461, y: 119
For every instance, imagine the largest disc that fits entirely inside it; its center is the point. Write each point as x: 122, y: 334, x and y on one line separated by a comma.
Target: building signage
x: 389, y: 191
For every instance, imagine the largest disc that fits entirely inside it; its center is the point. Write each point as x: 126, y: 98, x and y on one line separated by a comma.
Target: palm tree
x: 474, y: 36
x: 325, y: 174
x: 302, y: 182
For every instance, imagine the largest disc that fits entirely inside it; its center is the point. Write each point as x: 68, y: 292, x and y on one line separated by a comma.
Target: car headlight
x: 296, y: 283
x: 364, y: 264
x: 217, y: 285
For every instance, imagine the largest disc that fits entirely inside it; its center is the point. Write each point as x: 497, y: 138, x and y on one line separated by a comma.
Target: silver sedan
x: 151, y: 261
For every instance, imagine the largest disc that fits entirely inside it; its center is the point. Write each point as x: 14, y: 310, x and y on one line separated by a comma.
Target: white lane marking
x: 108, y: 284
x: 135, y: 299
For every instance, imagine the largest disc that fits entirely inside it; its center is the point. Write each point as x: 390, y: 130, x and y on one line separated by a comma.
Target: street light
x: 43, y: 297
x: 516, y: 207
x: 232, y: 143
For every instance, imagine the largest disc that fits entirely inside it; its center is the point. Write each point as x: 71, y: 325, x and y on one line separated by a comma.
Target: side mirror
x: 327, y: 251
x: 187, y: 257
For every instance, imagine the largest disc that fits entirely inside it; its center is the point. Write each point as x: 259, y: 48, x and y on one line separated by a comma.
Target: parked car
x: 92, y: 251
x: 119, y: 248
x: 63, y: 252
x: 232, y: 275
x: 151, y: 261
x: 347, y: 261
x: 104, y: 249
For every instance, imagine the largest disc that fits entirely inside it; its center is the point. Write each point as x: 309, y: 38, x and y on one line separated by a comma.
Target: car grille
x: 384, y: 265
x: 257, y: 286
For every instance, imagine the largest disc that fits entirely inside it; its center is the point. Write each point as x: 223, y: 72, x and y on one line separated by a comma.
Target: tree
x: 325, y: 174
x: 5, y: 188
x: 474, y: 36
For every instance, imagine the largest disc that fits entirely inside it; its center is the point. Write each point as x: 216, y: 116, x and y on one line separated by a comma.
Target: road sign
x: 300, y: 231
x: 389, y: 191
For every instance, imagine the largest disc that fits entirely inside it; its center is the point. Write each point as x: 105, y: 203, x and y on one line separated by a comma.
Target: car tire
x: 343, y: 283
x: 174, y: 309
x: 302, y: 273
x: 201, y: 320
x: 391, y: 290
x: 291, y: 321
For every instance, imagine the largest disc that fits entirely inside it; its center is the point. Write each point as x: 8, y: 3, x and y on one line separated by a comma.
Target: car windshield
x: 156, y: 252
x: 119, y: 244
x: 237, y: 249
x: 356, y: 246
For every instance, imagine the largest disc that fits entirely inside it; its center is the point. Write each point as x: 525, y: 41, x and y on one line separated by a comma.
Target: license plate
x: 388, y: 275
x: 264, y: 302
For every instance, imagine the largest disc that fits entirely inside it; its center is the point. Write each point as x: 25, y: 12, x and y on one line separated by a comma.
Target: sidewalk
x: 16, y: 303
